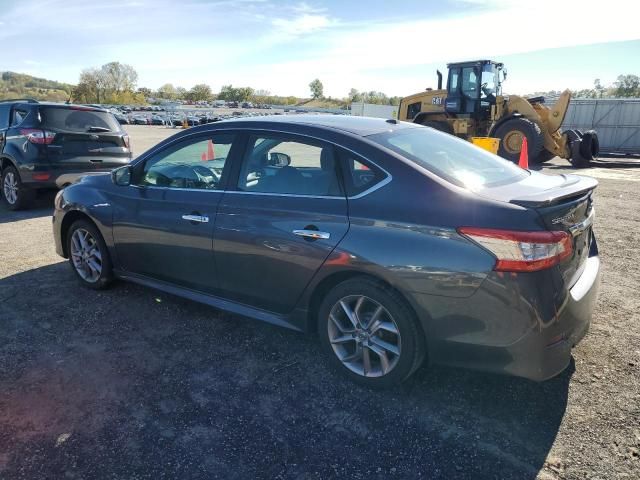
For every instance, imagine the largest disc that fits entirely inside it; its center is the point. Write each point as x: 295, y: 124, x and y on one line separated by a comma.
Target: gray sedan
x: 394, y: 242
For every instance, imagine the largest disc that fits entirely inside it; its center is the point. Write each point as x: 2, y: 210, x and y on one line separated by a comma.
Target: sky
x: 280, y: 46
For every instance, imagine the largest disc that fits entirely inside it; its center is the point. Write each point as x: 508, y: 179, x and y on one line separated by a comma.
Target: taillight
x: 127, y: 141
x: 37, y: 136
x: 522, y: 251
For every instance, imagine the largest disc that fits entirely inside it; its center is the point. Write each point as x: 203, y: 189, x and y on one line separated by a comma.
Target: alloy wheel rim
x: 513, y: 141
x: 364, y: 336
x: 85, y: 255
x: 10, y: 188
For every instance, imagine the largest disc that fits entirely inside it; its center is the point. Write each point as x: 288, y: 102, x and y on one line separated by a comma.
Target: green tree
x: 317, y: 88
x: 181, y: 93
x: 167, y: 92
x: 627, y: 86
x: 200, y: 92
x: 144, y: 91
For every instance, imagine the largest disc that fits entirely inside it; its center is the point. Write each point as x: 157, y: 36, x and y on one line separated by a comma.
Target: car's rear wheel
x: 370, y: 333
x: 16, y: 195
x: 88, y: 255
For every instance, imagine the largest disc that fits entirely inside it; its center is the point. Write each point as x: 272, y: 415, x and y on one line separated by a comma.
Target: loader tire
x: 545, y: 156
x: 439, y: 125
x: 511, y: 134
x: 589, y: 147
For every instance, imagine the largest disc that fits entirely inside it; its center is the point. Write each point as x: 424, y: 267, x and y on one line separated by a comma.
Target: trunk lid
x: 564, y: 203
x: 85, y: 138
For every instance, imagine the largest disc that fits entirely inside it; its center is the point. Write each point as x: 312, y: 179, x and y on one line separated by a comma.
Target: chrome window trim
x: 142, y: 187
x: 248, y: 130
x: 295, y: 195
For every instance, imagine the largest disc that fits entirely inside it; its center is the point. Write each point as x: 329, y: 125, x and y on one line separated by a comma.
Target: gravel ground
x: 131, y: 383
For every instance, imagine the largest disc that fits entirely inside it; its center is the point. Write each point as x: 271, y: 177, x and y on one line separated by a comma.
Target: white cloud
x: 365, y: 56
x: 305, y: 24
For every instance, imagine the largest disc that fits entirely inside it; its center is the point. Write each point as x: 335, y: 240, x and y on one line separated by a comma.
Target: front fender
x: 76, y: 201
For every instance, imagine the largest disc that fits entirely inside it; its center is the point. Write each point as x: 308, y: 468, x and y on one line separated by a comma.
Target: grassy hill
x: 322, y: 103
x: 20, y: 85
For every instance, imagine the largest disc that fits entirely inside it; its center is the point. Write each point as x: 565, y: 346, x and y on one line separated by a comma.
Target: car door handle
x: 196, y: 218
x: 312, y: 234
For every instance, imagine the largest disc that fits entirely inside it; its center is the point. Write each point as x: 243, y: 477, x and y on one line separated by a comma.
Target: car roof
x: 361, y: 126
x: 36, y: 103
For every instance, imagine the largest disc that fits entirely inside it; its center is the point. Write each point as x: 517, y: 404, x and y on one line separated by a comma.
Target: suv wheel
x: 369, y: 333
x: 88, y: 255
x: 15, y: 194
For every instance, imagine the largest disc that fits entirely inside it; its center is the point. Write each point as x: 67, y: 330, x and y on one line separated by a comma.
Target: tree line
x: 117, y: 83
x: 625, y: 86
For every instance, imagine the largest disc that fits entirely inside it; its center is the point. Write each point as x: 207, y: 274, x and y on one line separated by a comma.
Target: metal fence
x: 617, y: 122
x: 360, y: 109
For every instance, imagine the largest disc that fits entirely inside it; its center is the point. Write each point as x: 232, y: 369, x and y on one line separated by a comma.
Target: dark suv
x: 50, y: 145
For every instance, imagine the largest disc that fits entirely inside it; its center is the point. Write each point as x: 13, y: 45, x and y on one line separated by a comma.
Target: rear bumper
x: 544, y: 354
x: 522, y: 326
x: 52, y: 176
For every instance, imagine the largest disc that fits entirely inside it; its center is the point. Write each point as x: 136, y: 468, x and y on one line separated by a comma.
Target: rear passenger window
x: 286, y: 166
x: 359, y: 175
x: 18, y: 116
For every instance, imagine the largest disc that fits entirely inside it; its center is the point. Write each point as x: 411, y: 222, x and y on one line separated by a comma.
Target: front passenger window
x: 193, y: 164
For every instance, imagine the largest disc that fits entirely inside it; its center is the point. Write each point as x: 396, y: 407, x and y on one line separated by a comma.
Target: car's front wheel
x: 370, y: 333
x: 88, y: 255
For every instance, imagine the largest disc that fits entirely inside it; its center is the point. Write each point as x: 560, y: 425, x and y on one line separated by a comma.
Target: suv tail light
x: 522, y: 251
x: 127, y: 141
x: 37, y: 136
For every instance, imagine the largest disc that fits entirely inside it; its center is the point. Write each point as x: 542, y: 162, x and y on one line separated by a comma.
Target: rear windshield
x: 72, y: 120
x: 451, y: 158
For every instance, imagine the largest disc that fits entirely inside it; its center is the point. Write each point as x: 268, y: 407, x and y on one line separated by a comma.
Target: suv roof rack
x: 26, y: 100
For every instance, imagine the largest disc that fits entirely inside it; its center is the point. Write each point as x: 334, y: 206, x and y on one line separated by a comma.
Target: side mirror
x: 121, y: 176
x: 277, y: 159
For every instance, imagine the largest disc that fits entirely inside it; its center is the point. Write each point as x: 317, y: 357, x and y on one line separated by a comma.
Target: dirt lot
x: 131, y: 383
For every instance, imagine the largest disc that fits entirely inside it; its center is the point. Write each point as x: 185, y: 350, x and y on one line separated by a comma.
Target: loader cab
x: 472, y: 87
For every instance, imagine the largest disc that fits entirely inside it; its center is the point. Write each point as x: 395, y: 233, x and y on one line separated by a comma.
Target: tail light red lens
x: 41, y: 177
x: 517, y: 251
x: 37, y: 136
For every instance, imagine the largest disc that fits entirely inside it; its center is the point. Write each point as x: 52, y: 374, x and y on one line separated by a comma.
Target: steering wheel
x: 202, y: 171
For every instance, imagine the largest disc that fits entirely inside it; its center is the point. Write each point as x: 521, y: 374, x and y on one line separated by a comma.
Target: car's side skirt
x: 211, y: 300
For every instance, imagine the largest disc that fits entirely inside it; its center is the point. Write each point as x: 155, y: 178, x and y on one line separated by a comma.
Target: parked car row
x: 177, y: 119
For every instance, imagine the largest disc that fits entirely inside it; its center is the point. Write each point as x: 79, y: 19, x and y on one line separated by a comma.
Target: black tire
x: 410, y: 337
x: 545, y: 156
x: 106, y: 273
x: 510, y: 134
x: 439, y: 125
x: 21, y: 196
x: 590, y: 146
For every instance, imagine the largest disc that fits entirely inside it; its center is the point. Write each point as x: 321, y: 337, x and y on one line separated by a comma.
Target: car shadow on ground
x: 41, y: 206
x: 130, y: 382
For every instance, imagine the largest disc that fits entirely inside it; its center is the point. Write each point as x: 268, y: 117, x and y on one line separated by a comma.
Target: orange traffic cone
x: 203, y: 157
x: 524, y: 155
x: 210, y: 152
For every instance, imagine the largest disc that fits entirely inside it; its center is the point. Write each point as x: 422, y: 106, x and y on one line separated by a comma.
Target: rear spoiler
x: 574, y: 187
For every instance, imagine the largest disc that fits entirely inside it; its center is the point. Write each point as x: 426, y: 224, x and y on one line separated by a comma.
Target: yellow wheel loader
x: 472, y: 105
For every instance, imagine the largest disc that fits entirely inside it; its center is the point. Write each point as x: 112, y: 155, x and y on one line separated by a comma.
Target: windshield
x: 489, y: 81
x: 451, y: 158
